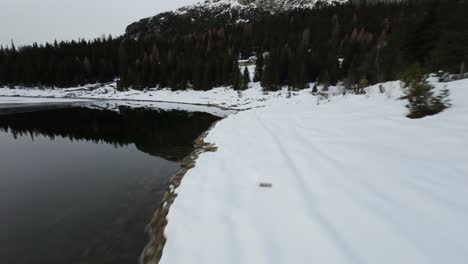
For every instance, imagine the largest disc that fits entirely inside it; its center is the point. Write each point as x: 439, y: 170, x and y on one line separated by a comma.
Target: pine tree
x: 300, y: 76
x: 236, y: 76
x: 325, y: 80
x: 87, y: 68
x: 245, y: 79
x: 267, y: 74
x: 145, y: 71
x: 259, y: 67
x: 271, y: 75
x: 206, y: 80
x: 420, y: 94
x: 123, y: 67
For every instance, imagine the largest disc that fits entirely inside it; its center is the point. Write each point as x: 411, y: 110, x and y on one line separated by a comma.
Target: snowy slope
x: 354, y: 181
x: 213, y: 12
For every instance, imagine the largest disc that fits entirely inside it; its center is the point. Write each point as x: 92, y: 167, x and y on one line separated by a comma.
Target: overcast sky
x: 28, y: 21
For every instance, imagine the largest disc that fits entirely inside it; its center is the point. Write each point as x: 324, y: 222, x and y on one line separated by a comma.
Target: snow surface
x: 353, y: 181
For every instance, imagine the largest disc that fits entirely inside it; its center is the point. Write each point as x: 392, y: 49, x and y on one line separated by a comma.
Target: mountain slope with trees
x: 199, y: 47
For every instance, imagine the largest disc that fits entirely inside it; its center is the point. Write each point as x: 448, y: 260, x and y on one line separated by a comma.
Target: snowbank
x: 352, y: 181
x: 115, y: 105
x: 223, y: 97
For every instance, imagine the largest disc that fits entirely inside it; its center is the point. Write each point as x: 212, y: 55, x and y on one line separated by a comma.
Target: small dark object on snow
x: 265, y: 185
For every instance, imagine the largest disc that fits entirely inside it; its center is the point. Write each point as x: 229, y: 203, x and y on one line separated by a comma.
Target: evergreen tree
x: 206, y: 80
x: 325, y: 80
x: 267, y: 81
x: 145, y: 71
x: 420, y: 94
x: 236, y: 76
x: 245, y: 79
x: 123, y: 67
x: 259, y: 66
x: 300, y: 81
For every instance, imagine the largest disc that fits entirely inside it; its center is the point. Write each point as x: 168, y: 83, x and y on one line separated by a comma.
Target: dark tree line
x: 63, y: 64
x: 347, y: 42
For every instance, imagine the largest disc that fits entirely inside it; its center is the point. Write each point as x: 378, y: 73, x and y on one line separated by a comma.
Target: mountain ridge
x: 227, y: 11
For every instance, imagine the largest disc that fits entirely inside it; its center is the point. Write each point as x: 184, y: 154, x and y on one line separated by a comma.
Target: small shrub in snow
x: 420, y: 94
x: 363, y: 83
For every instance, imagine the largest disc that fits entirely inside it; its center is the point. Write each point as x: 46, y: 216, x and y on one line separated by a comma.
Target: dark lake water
x: 79, y: 185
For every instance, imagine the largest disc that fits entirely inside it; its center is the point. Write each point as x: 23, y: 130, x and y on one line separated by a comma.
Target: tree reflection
x: 166, y: 134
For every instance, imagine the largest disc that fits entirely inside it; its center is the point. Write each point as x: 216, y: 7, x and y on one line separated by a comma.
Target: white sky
x: 28, y: 21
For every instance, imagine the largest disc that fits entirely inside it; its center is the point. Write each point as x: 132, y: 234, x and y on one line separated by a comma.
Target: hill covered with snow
x: 224, y: 11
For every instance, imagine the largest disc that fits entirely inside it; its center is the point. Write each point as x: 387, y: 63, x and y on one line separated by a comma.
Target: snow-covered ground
x: 353, y: 181
x: 219, y: 101
x: 223, y: 97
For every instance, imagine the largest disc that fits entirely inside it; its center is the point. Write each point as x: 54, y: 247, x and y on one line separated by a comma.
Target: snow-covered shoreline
x: 222, y: 97
x: 220, y: 101
x: 111, y: 104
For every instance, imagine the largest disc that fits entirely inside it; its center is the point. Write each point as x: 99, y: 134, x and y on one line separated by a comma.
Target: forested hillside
x: 200, y: 48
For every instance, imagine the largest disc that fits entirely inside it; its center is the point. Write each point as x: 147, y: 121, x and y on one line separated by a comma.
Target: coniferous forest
x: 330, y: 43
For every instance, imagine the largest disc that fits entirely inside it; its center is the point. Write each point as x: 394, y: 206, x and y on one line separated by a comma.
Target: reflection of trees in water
x: 167, y: 134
